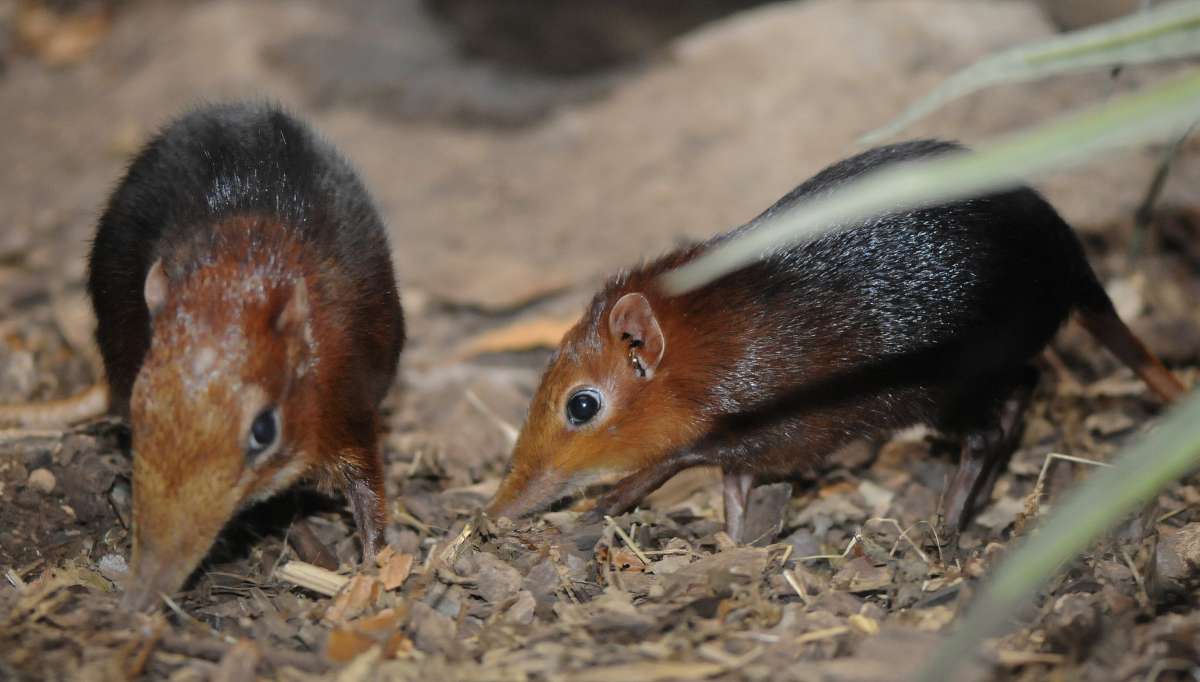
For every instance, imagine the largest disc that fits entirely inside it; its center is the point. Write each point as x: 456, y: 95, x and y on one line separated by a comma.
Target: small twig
x: 790, y: 577
x: 666, y: 552
x: 1162, y: 665
x: 562, y: 578
x: 1018, y: 658
x: 1172, y: 514
x: 1137, y: 576
x: 415, y: 464
x: 408, y: 519
x: 201, y: 625
x: 510, y: 432
x: 214, y: 650
x: 10, y: 436
x: 310, y: 577
x: 937, y: 541
x: 15, y: 580
x: 627, y: 540
x: 1039, y: 487
x: 903, y: 536
x: 818, y: 635
x: 144, y: 648
x: 843, y: 555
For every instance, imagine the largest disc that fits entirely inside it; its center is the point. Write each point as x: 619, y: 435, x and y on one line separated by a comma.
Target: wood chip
x: 359, y: 594
x: 522, y: 335
x: 315, y: 578
x: 395, y: 569
x: 657, y: 671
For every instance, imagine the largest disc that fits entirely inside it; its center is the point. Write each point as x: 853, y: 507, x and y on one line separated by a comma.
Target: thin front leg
x: 368, y: 501
x: 631, y: 489
x: 737, y: 491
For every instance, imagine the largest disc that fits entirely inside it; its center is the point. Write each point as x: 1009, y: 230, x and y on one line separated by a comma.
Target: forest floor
x: 846, y: 579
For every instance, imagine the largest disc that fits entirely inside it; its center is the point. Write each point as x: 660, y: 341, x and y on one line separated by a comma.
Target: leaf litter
x: 845, y: 577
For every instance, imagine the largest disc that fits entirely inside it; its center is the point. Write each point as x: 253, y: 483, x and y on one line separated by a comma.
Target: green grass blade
x: 1160, y: 112
x: 1170, y: 31
x: 1164, y: 455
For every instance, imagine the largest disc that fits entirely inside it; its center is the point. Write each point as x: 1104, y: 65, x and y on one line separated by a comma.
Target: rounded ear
x: 633, y: 323
x: 295, y: 311
x: 155, y: 288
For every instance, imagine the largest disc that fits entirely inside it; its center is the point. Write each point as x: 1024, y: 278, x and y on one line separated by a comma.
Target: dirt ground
x: 511, y: 183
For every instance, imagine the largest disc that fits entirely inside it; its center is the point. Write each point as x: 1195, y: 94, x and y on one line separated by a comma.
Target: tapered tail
x: 1103, y: 323
x: 90, y: 403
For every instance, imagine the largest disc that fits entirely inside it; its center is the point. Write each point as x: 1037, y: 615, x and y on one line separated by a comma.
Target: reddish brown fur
x: 191, y: 470
x: 547, y: 450
x: 930, y: 316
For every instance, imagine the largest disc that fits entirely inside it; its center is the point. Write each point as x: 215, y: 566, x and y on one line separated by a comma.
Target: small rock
x: 859, y: 575
x: 42, y: 480
x: 766, y: 508
x: 804, y: 543
x: 878, y: 499
x: 1176, y: 560
x: 495, y: 581
x: 113, y: 567
x: 1001, y: 513
x: 433, y: 632
x: 1075, y: 621
x: 1108, y: 423
x: 521, y: 612
x: 613, y: 615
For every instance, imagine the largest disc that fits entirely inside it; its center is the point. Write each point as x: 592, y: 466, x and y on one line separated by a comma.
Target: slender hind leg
x: 990, y: 436
x: 737, y: 491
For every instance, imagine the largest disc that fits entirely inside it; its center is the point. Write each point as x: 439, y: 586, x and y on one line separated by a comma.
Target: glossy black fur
x: 220, y: 162
x: 924, y: 316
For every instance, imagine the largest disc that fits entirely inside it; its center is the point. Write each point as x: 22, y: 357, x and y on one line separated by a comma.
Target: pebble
x: 42, y: 480
x: 113, y: 567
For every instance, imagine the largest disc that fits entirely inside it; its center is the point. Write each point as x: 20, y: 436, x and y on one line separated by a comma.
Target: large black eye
x: 264, y: 431
x: 583, y: 405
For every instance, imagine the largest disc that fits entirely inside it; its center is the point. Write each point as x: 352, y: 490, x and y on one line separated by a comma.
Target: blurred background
x: 518, y: 150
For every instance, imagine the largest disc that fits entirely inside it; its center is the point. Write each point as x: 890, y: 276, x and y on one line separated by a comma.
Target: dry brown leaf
x: 355, y: 637
x: 625, y: 560
x: 837, y: 488
x: 346, y: 644
x: 385, y: 621
x: 360, y: 593
x: 395, y: 570
x: 522, y: 335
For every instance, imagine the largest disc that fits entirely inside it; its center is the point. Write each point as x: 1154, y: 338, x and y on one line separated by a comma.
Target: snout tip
x: 150, y: 579
x: 521, y: 495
